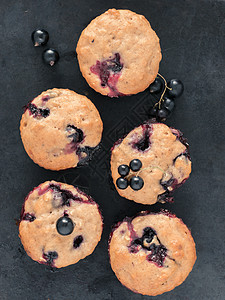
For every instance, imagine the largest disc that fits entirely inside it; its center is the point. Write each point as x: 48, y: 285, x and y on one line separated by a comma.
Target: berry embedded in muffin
x: 109, y: 72
x: 150, y: 163
x: 59, y: 224
x: 119, y: 53
x: 60, y: 129
x: 151, y: 253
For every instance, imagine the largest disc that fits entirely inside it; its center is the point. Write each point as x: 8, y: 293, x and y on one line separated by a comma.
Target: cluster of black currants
x: 40, y: 37
x: 135, y: 182
x: 169, y: 91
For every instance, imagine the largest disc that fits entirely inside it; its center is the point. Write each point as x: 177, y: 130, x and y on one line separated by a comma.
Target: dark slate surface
x: 192, y: 40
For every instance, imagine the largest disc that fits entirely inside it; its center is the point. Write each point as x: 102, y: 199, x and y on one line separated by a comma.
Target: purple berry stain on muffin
x: 28, y: 217
x: 157, y: 255
x: 62, y: 196
x: 156, y: 252
x: 37, y: 112
x: 144, y: 143
x: 50, y: 258
x: 77, y: 241
x: 76, y: 136
x: 109, y: 72
x: 45, y: 98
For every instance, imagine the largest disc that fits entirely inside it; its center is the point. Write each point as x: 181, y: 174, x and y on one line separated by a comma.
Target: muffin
x: 119, y: 53
x: 60, y: 129
x: 152, y: 253
x: 59, y: 224
x: 150, y: 163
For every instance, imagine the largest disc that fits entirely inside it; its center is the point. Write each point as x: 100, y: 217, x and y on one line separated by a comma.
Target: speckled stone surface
x: 192, y: 42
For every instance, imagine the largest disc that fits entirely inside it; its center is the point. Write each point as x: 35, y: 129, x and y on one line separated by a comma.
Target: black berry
x: 162, y: 113
x: 39, y: 37
x: 168, y: 104
x: 50, y: 57
x: 156, y: 86
x: 77, y: 241
x: 123, y: 170
x: 136, y: 183
x: 177, y: 88
x: 135, y: 165
x: 64, y: 225
x: 153, y: 111
x: 122, y: 183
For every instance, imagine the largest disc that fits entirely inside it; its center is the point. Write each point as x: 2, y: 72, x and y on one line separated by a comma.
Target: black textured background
x: 193, y: 47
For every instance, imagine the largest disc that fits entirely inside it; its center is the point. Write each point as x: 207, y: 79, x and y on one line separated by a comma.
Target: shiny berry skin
x: 122, y: 183
x: 168, y: 104
x: 123, y: 170
x: 135, y: 165
x: 39, y: 37
x: 50, y: 57
x: 153, y: 111
x: 136, y: 183
x: 64, y: 225
x: 156, y: 86
x: 177, y: 88
x: 162, y: 113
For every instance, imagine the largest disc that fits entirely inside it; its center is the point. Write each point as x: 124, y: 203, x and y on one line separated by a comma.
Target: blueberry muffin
x: 59, y: 224
x: 150, y: 162
x: 152, y: 253
x: 119, y: 53
x: 60, y: 129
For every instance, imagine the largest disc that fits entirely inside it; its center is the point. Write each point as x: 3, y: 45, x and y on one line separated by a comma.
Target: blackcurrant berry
x: 135, y: 165
x: 39, y: 37
x: 136, y: 183
x: 156, y: 86
x: 168, y: 104
x: 50, y: 56
x: 123, y: 170
x: 177, y: 88
x: 162, y: 113
x: 153, y: 111
x: 122, y: 183
x: 64, y: 225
